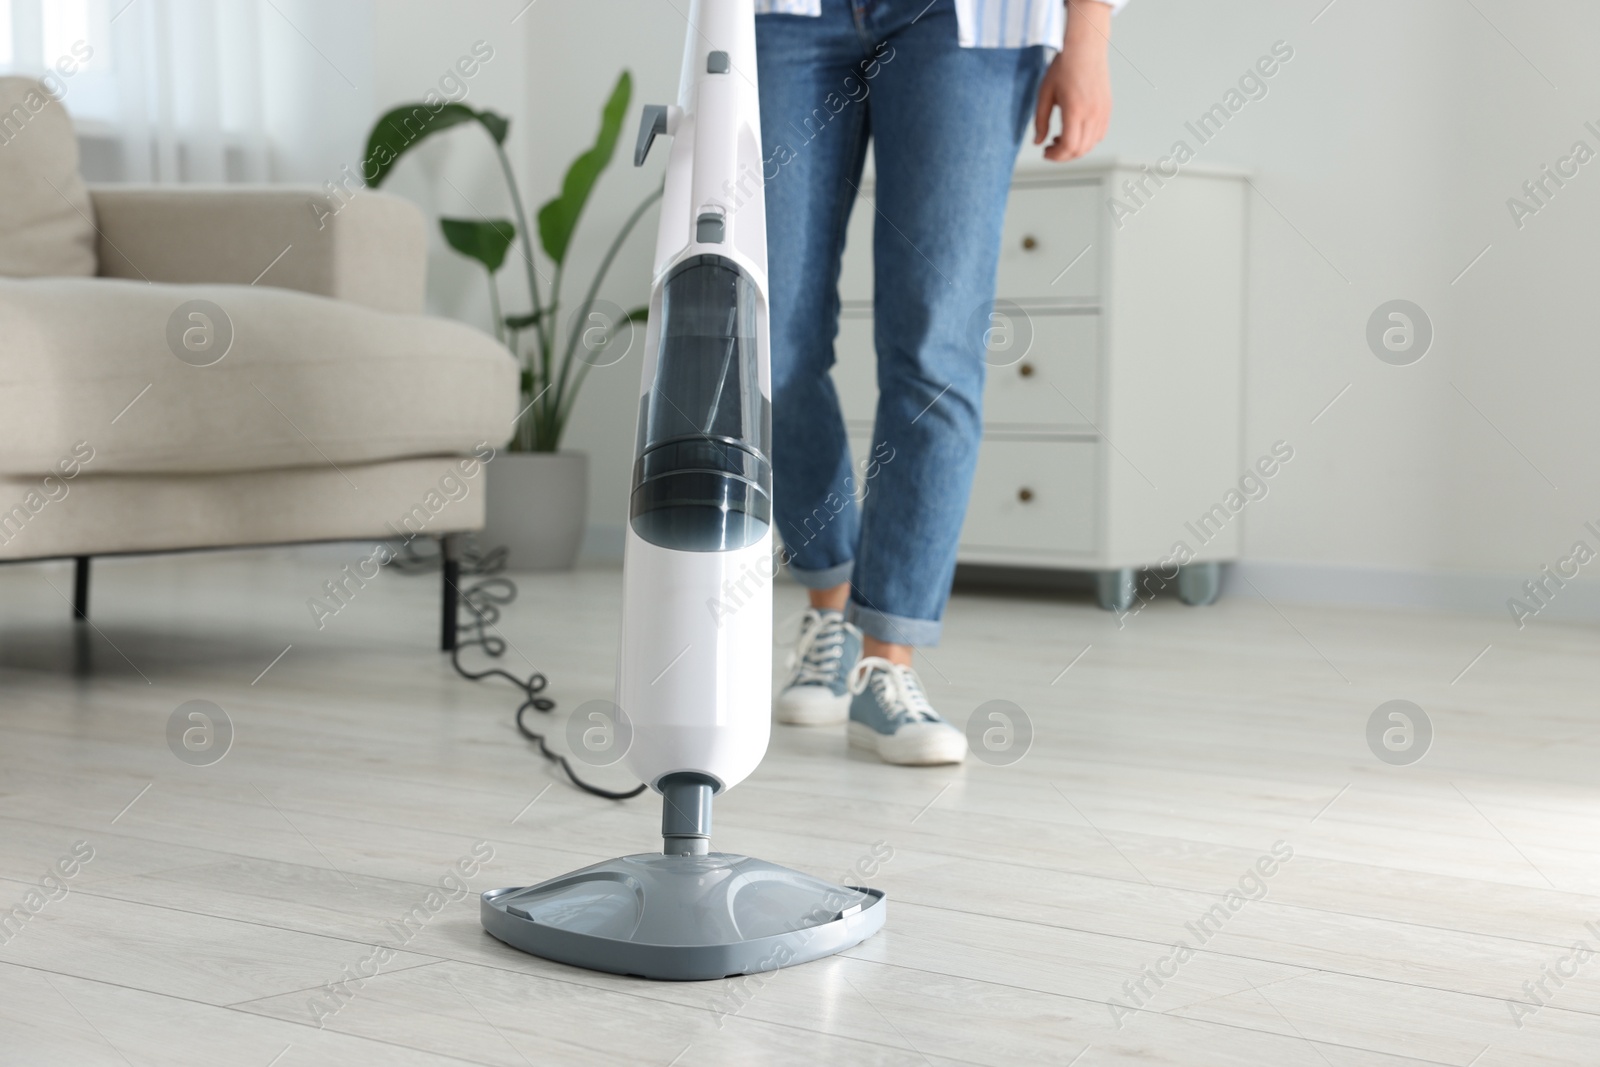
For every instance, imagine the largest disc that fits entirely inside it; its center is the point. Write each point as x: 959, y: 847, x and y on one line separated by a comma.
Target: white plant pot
x: 537, y: 504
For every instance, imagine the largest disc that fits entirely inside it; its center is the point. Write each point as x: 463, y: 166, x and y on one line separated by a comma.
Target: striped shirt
x: 984, y: 23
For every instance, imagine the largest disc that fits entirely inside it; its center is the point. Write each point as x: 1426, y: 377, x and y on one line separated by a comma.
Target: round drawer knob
x: 1026, y: 370
x: 1029, y: 244
x: 1024, y: 495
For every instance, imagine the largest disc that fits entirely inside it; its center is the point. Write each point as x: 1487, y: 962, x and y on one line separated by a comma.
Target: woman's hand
x: 1079, y: 83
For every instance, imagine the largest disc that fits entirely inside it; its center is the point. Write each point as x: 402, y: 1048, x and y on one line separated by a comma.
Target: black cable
x: 562, y: 760
x: 484, y: 599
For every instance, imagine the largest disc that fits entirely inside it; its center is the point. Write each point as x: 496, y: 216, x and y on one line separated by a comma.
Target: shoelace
x: 896, y: 686
x: 816, y: 656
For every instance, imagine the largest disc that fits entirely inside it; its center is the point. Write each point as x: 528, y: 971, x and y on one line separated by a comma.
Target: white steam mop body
x: 696, y: 673
x: 694, y: 679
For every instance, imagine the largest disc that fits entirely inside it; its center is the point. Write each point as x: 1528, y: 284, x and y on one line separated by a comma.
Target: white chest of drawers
x: 1112, y: 412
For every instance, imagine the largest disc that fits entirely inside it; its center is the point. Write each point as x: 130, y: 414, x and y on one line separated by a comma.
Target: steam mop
x: 694, y: 676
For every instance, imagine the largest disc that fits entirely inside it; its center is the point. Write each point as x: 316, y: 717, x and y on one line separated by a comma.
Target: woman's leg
x: 814, y: 126
x: 947, y: 124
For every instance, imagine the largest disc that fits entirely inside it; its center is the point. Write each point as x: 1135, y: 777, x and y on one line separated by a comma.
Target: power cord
x: 483, y: 599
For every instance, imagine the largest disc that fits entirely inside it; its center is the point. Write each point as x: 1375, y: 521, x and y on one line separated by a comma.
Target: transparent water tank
x: 702, y: 480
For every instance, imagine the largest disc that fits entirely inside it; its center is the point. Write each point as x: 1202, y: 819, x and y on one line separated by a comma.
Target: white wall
x: 1383, y: 154
x: 418, y: 44
x: 1389, y: 146
x: 318, y: 78
x: 576, y: 51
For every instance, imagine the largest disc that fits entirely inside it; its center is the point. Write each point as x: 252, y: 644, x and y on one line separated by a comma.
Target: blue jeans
x: 946, y: 123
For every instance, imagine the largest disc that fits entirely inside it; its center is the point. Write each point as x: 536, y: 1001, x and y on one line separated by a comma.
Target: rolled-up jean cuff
x: 895, y: 629
x: 838, y: 574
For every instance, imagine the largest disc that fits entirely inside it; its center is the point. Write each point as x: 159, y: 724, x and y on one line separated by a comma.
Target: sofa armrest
x: 369, y: 249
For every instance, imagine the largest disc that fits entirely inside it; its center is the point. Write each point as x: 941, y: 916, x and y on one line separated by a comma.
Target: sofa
x: 189, y: 368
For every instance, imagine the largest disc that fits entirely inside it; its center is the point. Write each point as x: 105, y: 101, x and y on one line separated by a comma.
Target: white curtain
x: 203, y: 90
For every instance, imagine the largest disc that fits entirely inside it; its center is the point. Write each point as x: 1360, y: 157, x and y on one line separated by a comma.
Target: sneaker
x: 890, y: 714
x: 817, y: 693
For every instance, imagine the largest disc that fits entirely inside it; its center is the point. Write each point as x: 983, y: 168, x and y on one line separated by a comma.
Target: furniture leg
x: 1199, y: 583
x: 450, y: 567
x: 1115, y: 588
x: 80, y: 588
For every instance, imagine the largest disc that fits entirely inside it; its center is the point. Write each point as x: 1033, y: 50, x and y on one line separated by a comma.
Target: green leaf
x: 523, y: 322
x: 498, y: 125
x: 639, y: 314
x: 485, y: 240
x: 559, y: 217
x: 402, y: 128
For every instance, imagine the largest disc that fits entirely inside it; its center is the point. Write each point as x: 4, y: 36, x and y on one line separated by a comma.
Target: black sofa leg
x: 80, y: 588
x: 450, y: 567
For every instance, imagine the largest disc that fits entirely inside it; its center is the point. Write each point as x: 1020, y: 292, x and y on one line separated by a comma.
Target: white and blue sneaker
x: 817, y: 693
x: 890, y: 715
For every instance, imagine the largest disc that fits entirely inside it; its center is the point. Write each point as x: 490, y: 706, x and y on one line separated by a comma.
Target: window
x: 199, y: 90
x: 68, y: 45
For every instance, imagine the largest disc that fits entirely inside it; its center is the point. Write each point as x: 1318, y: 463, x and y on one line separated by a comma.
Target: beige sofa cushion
x: 306, y: 381
x: 46, y: 219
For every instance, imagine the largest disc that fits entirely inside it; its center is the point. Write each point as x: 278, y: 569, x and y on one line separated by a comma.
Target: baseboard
x: 1473, y: 592
x: 1467, y: 592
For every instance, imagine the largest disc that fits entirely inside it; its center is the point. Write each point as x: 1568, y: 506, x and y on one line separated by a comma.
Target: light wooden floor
x: 1174, y: 753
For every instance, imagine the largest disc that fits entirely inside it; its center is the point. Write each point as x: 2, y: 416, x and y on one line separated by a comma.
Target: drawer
x: 1049, y: 248
x: 1043, y: 369
x: 1033, y: 496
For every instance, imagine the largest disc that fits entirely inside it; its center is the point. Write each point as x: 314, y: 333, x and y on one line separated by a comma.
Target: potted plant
x: 537, y: 494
